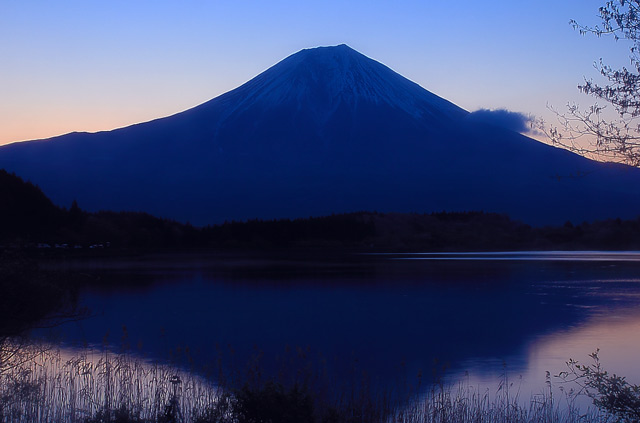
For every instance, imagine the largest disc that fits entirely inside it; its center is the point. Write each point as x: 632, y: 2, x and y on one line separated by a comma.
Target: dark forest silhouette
x: 29, y: 220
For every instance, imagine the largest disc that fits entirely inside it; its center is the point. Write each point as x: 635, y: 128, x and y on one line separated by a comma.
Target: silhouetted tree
x: 610, y: 393
x: 616, y: 138
x: 75, y: 214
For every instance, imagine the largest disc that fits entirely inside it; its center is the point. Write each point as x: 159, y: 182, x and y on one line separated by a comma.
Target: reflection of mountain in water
x: 379, y: 316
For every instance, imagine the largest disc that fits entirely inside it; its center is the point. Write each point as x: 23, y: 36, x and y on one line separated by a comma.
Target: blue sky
x: 88, y: 66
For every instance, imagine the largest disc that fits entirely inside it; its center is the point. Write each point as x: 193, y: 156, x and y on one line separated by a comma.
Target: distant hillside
x: 25, y: 212
x: 28, y: 218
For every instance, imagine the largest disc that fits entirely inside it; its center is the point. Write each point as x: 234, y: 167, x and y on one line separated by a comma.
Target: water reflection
x: 588, y: 256
x: 390, y: 319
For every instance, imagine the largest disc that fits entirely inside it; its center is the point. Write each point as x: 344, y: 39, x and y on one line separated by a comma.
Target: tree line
x: 28, y: 219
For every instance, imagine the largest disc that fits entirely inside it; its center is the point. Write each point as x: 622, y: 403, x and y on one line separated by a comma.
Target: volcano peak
x: 326, y: 130
x: 327, y: 79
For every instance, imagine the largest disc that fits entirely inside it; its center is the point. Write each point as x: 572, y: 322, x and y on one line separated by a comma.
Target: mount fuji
x: 326, y: 130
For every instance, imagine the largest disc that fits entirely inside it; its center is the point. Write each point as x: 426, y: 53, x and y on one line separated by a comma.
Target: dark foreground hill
x: 326, y: 130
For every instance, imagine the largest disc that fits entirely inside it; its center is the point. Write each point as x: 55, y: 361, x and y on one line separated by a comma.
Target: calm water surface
x: 388, y: 316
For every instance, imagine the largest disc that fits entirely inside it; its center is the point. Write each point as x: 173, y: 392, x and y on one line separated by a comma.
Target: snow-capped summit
x: 322, y: 94
x: 326, y: 130
x: 328, y: 78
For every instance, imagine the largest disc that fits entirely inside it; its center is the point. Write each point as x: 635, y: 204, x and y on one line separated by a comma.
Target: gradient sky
x: 88, y: 66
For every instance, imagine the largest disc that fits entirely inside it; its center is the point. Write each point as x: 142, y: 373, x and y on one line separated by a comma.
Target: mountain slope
x: 325, y: 130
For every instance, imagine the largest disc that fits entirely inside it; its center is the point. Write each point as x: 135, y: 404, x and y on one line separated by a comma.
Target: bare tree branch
x: 611, y: 139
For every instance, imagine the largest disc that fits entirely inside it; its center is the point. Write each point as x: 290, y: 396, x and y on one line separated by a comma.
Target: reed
x: 97, y: 386
x: 51, y: 386
x: 466, y: 403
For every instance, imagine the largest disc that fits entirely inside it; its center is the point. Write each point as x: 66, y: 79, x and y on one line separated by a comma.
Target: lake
x: 389, y: 317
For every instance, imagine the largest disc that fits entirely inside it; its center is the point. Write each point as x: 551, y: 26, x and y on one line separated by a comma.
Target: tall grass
x: 50, y: 385
x: 466, y: 403
x: 53, y: 386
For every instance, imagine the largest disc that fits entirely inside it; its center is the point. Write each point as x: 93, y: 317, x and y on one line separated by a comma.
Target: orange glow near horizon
x: 66, y: 69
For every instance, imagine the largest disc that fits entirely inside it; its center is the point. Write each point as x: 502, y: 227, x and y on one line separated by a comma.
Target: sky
x: 94, y: 65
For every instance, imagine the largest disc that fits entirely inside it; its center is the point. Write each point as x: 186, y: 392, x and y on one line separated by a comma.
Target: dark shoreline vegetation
x: 30, y: 221
x: 41, y: 383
